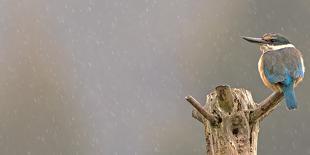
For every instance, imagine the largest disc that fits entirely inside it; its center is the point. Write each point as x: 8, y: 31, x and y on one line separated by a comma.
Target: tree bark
x: 231, y: 119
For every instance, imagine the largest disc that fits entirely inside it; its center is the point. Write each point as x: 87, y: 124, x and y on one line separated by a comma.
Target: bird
x: 281, y: 65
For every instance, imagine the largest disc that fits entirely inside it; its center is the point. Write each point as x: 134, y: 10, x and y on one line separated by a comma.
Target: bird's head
x: 270, y: 41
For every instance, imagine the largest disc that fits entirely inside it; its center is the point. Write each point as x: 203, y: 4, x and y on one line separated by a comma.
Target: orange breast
x: 274, y: 87
x: 298, y: 81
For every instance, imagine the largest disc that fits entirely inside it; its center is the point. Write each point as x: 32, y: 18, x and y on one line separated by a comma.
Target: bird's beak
x: 255, y: 40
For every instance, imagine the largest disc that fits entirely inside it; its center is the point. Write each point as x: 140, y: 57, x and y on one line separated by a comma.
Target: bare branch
x: 197, y: 115
x: 225, y: 98
x: 234, y: 118
x: 266, y: 106
x: 201, y: 110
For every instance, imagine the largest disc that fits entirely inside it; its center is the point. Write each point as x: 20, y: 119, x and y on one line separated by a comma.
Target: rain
x: 109, y: 77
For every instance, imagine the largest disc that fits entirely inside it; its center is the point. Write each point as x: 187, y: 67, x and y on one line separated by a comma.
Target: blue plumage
x: 282, y: 69
x: 272, y: 77
x: 289, y: 95
x: 280, y: 66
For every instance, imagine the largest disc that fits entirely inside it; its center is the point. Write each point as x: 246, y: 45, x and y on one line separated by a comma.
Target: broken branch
x: 201, y: 110
x: 266, y: 106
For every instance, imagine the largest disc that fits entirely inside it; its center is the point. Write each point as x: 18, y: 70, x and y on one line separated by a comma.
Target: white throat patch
x: 267, y: 47
x: 277, y: 47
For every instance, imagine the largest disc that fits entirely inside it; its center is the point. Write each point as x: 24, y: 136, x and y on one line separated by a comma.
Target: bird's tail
x: 289, y: 95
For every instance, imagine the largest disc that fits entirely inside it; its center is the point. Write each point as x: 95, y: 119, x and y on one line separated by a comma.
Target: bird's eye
x: 273, y: 39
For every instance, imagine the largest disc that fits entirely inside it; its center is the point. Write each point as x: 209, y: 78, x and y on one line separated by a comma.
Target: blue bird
x: 281, y: 65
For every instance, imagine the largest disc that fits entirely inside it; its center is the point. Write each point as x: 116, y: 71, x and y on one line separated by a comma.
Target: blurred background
x: 109, y: 77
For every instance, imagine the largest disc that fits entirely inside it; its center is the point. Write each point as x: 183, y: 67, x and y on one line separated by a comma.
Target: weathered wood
x: 207, y: 115
x: 266, y: 106
x: 231, y: 119
x: 225, y: 98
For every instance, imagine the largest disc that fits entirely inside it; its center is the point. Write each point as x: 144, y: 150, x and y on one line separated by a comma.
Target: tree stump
x: 231, y: 119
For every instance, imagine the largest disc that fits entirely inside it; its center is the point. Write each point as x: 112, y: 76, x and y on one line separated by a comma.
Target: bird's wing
x: 282, y: 65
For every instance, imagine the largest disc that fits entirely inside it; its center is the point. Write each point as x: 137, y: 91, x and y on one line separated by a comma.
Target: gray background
x: 109, y: 77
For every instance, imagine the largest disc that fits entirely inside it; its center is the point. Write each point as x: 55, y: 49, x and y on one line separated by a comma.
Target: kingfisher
x: 281, y: 66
